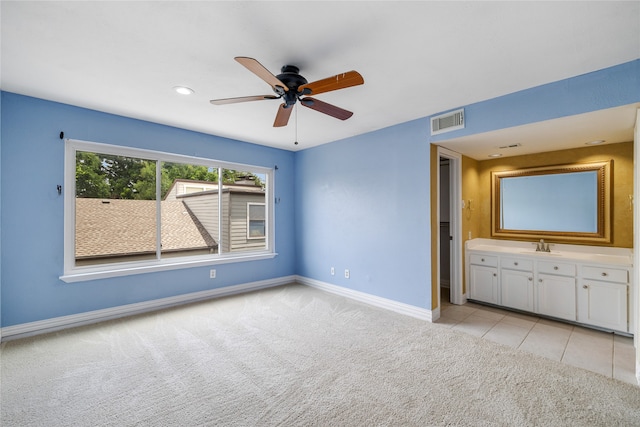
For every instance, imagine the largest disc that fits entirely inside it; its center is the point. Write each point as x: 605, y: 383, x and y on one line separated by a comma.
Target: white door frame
x: 636, y: 242
x: 455, y: 200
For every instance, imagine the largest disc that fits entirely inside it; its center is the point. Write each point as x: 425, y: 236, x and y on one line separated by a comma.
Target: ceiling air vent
x: 510, y: 146
x: 447, y: 122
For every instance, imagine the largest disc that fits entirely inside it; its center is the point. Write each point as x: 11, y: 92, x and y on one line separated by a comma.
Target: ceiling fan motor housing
x: 290, y: 76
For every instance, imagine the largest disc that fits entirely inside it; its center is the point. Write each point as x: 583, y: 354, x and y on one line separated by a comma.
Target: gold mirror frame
x: 603, y: 232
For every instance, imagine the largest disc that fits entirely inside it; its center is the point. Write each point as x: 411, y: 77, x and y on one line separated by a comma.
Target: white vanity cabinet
x: 516, y: 279
x: 484, y: 278
x: 603, y: 297
x: 556, y: 290
x: 584, y: 284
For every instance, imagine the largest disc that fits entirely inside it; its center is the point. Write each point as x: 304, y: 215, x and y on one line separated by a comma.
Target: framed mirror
x: 569, y: 203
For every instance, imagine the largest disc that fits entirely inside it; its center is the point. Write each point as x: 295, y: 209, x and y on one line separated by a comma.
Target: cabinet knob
x: 555, y: 267
x: 530, y: 278
x: 515, y: 263
x: 604, y: 274
x: 482, y: 259
x: 585, y: 286
x: 494, y: 274
x: 540, y: 280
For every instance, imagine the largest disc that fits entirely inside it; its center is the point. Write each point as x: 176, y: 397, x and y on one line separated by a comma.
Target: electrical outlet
x: 333, y: 271
x: 212, y: 274
x: 346, y: 274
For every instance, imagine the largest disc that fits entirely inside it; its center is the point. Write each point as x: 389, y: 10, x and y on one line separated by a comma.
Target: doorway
x: 449, y: 278
x: 445, y: 231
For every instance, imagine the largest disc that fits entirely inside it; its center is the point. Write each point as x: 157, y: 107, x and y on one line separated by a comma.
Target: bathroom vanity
x: 589, y: 285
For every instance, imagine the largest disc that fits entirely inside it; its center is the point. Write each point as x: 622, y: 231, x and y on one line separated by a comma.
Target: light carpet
x: 294, y: 356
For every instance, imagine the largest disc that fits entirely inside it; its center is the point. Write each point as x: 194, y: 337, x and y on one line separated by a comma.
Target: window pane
x: 241, y: 231
x: 115, y: 209
x: 189, y: 210
x: 256, y: 218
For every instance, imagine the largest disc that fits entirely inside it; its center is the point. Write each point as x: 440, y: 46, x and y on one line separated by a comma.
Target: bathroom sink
x: 534, y: 252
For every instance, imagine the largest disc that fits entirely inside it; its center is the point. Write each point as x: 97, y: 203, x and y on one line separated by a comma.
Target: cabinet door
x: 516, y: 288
x: 603, y: 304
x: 556, y: 296
x: 483, y: 284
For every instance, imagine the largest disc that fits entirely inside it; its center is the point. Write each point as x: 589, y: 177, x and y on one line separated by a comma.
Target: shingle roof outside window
x: 117, y: 227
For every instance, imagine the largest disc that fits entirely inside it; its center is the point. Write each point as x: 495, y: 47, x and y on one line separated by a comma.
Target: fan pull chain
x: 296, y: 111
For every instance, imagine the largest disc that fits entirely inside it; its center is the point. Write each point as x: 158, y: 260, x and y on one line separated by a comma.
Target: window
x: 129, y: 210
x: 255, y: 221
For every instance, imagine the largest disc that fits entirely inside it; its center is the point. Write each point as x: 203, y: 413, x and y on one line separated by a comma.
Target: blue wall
x: 32, y: 211
x: 363, y: 204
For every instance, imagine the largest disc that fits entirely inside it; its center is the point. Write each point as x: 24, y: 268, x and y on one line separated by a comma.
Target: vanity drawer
x: 559, y: 268
x: 481, y: 259
x: 605, y: 274
x: 517, y: 264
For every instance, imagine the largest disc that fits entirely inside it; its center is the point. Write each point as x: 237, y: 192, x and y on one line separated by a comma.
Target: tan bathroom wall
x: 621, y: 183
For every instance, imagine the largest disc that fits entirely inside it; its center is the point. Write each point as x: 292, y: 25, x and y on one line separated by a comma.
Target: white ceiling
x: 417, y: 58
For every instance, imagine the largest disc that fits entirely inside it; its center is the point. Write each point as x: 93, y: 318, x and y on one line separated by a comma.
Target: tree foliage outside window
x: 119, y: 177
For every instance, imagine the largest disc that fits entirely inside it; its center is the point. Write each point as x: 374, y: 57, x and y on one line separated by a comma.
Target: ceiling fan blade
x: 326, y: 108
x: 241, y: 99
x: 282, y: 118
x: 339, y: 81
x: 259, y: 70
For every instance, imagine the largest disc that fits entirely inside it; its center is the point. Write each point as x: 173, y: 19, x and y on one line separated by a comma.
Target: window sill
x: 83, y: 275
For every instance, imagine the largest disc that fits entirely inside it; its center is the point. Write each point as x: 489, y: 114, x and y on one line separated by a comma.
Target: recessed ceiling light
x: 495, y: 155
x: 596, y: 142
x: 183, y: 90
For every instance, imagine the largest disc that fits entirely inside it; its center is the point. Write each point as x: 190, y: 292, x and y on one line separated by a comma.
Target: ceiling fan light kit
x: 291, y: 87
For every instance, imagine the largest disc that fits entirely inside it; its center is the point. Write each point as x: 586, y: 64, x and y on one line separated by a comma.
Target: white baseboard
x: 398, y: 307
x: 73, y: 320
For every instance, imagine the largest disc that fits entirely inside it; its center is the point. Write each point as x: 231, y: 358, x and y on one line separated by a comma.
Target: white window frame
x: 73, y: 273
x: 266, y: 229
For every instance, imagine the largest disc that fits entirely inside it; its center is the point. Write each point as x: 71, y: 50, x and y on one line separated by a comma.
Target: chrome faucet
x: 542, y: 246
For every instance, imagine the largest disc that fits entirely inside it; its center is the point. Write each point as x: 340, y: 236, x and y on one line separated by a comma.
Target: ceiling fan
x: 291, y: 87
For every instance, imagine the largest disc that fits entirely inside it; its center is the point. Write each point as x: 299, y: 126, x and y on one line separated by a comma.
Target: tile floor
x: 601, y: 352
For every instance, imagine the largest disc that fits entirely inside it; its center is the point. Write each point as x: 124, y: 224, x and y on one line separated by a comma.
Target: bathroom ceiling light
x: 596, y: 142
x: 495, y: 155
x: 183, y: 90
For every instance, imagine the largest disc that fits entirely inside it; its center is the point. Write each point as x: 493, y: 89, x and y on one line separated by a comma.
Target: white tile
x: 475, y: 325
x: 555, y: 324
x: 457, y: 312
x: 473, y: 305
x: 547, y: 341
x: 591, y: 350
x: 624, y: 355
x: 507, y: 334
x: 446, y: 321
x: 515, y: 319
x: 489, y: 313
x: 605, y: 353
